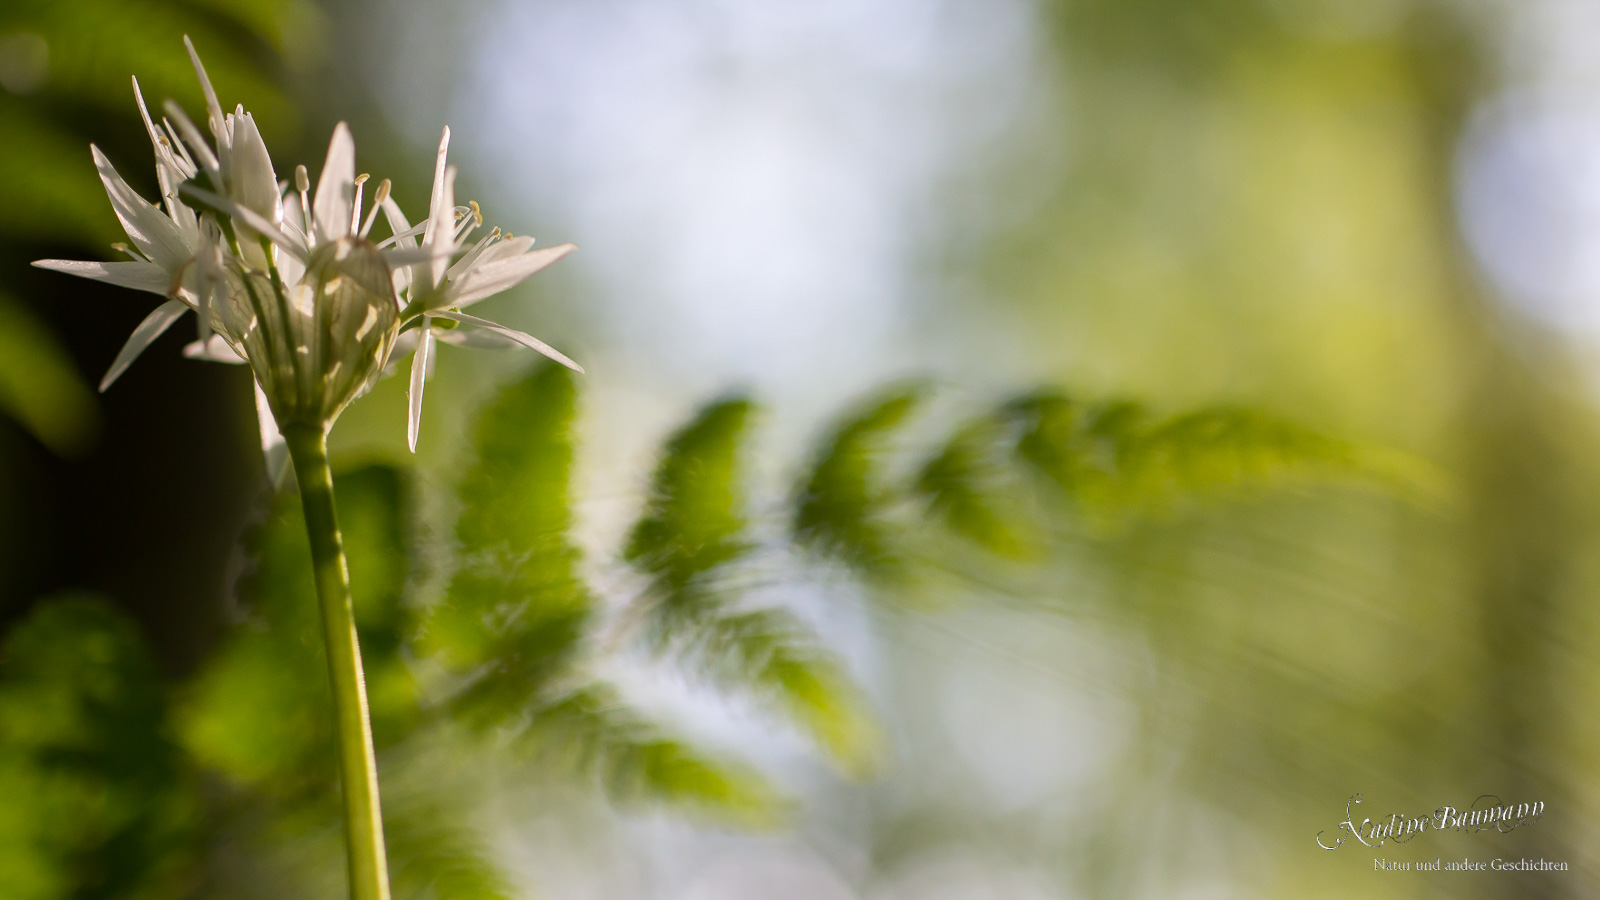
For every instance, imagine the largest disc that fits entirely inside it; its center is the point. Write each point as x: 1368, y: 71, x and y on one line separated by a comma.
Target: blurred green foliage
x: 1258, y: 201
x: 90, y: 47
x: 839, y: 509
x: 94, y: 804
x: 489, y: 651
x: 39, y: 388
x: 693, y: 532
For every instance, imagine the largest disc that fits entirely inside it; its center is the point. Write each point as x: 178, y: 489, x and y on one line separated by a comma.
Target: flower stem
x: 358, y: 768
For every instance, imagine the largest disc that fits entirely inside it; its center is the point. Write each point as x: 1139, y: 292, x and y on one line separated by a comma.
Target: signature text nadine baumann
x: 1486, y: 812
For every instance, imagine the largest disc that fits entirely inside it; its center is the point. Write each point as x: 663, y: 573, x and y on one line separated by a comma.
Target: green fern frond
x: 1113, y: 459
x: 770, y: 654
x: 840, y: 505
x: 1224, y: 447
x: 690, y: 534
x: 589, y: 729
x: 434, y: 854
x: 967, y: 485
x: 694, y: 519
x: 516, y: 602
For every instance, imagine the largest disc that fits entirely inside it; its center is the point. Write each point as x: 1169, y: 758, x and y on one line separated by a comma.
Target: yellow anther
x: 362, y: 179
x: 382, y: 193
x: 302, y: 181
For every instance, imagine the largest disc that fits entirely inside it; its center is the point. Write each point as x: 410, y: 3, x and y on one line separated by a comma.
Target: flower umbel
x: 288, y: 281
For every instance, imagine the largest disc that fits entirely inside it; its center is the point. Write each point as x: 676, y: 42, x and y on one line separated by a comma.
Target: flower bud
x: 321, y: 343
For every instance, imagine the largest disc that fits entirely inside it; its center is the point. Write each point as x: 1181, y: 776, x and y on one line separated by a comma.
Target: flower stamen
x: 378, y: 196
x: 302, y: 184
x: 355, y: 208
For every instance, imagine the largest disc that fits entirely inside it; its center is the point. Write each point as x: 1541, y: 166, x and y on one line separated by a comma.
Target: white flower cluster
x: 287, y: 280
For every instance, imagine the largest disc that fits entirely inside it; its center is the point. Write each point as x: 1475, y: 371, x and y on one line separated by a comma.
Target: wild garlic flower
x: 435, y: 288
x: 288, y: 281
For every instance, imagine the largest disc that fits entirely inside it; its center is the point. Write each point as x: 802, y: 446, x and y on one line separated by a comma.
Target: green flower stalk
x: 288, y: 282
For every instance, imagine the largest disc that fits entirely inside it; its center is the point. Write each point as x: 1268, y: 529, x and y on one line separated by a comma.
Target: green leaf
x: 840, y: 505
x: 689, y: 538
x: 693, y: 521
x: 1049, y: 423
x: 769, y: 653
x: 432, y: 852
x: 1113, y: 459
x: 1092, y: 454
x: 516, y: 608
x: 39, y: 387
x: 966, y: 484
x: 589, y: 729
x: 516, y: 602
x: 1224, y: 447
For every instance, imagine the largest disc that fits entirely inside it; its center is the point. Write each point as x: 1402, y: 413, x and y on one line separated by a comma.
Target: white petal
x: 439, y: 206
x: 419, y: 378
x: 213, y: 108
x: 505, y: 249
x: 441, y: 210
x: 204, y: 156
x: 476, y: 338
x: 252, y: 183
x: 141, y: 276
x: 441, y: 229
x: 526, y: 340
x: 336, y: 186
x: 144, y: 113
x: 404, y: 345
x: 213, y: 349
x: 249, y: 217
x: 487, y: 279
x: 179, y: 168
x: 171, y: 171
x: 402, y: 282
x: 150, y: 230
x: 403, y: 234
x: 406, y: 342
x: 274, y: 448
x: 410, y: 256
x: 290, y: 268
x: 210, y: 273
x: 142, y: 337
